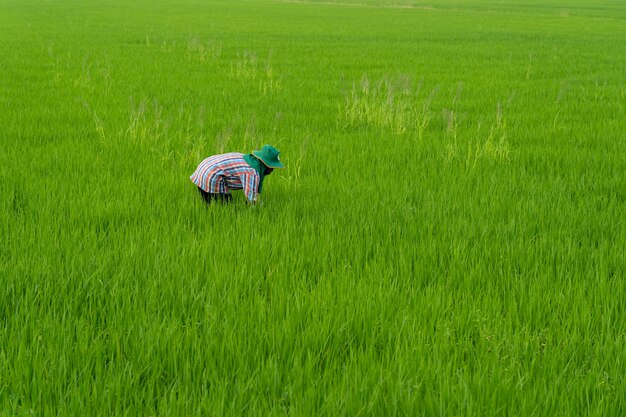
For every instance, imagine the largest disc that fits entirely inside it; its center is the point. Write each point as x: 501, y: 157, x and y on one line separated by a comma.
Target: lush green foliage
x: 447, y: 239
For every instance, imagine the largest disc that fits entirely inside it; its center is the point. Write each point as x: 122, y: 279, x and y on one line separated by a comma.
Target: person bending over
x: 217, y: 175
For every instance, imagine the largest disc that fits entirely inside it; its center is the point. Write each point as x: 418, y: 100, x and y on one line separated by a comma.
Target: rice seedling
x: 446, y: 238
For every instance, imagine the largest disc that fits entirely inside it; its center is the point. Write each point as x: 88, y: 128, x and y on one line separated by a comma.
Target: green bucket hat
x: 269, y: 156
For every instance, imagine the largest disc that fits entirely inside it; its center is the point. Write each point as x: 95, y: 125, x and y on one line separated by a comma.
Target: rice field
x: 447, y: 238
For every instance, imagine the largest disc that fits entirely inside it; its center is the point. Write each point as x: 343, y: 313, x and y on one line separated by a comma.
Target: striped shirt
x: 219, y: 174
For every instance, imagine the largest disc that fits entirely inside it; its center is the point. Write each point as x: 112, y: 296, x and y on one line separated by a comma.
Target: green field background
x: 447, y: 237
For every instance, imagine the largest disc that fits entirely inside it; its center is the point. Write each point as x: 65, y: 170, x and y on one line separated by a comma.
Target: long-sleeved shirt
x: 221, y: 173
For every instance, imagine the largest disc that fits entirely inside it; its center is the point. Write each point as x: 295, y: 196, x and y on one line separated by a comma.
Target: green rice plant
x: 446, y: 237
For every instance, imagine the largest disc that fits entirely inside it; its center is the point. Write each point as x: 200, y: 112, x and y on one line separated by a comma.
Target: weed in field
x: 203, y: 50
x: 293, y: 175
x: 389, y: 104
x: 84, y: 78
x: 247, y: 66
x: 223, y: 139
x: 146, y: 123
x: 271, y: 82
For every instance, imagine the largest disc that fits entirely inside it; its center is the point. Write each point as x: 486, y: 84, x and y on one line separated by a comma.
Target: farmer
x: 218, y: 174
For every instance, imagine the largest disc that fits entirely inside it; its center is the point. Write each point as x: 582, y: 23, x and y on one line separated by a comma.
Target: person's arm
x: 251, y: 187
